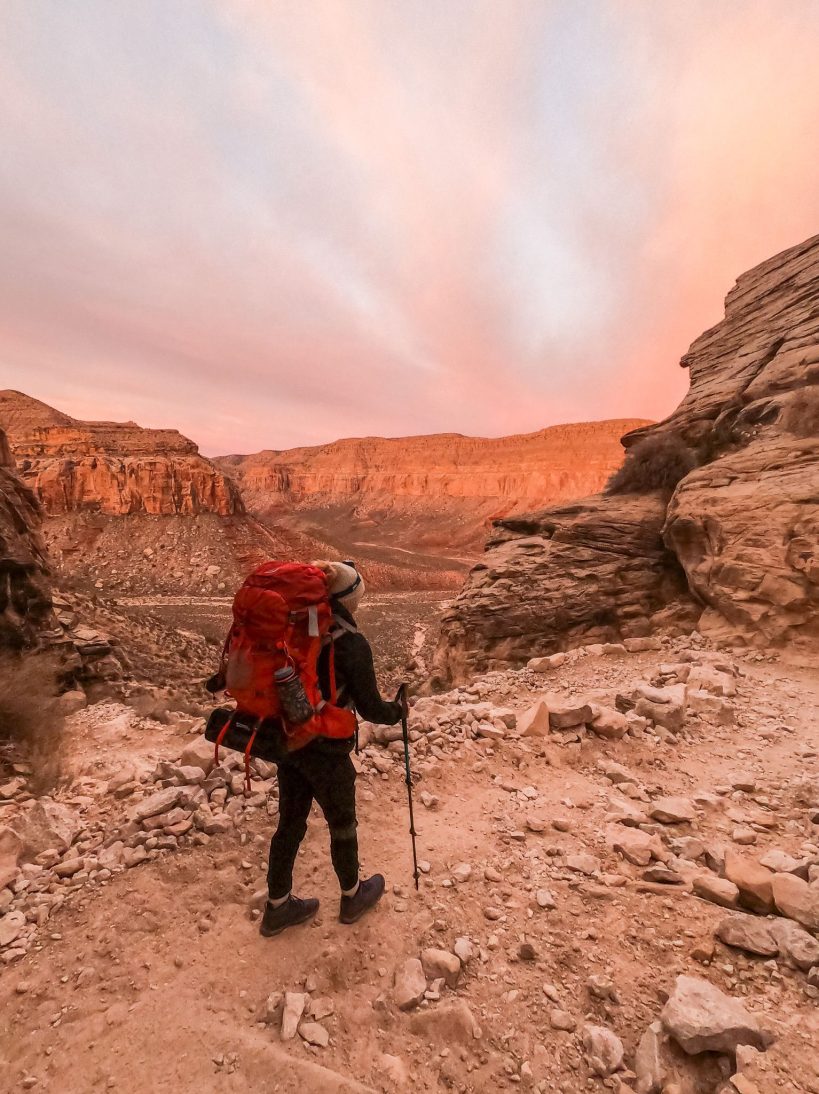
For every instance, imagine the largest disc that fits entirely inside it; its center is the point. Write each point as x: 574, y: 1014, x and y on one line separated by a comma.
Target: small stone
x: 781, y: 863
x: 604, y: 1050
x: 797, y: 900
x: 409, y: 984
x: 294, y: 1004
x: 462, y: 872
x: 754, y: 882
x: 583, y: 864
x: 562, y: 1020
x: 314, y: 1034
x: 716, y: 890
x: 744, y: 835
x: 672, y: 811
x: 648, y: 1060
x: 701, y: 1018
x: 437, y: 963
x: 745, y: 932
x: 797, y: 948
x: 610, y: 724
x: 463, y: 950
x: 569, y: 716
x: 534, y: 722
x: 545, y: 899
x: 10, y: 927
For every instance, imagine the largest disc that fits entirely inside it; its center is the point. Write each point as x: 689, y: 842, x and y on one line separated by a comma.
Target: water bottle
x: 296, y: 707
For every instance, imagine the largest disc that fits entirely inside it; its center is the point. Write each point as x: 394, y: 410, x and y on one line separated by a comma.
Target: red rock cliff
x: 116, y: 468
x: 429, y: 489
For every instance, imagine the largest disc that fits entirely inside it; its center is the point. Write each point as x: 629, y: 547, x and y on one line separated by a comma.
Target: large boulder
x: 595, y: 570
x: 737, y: 544
x: 701, y: 1018
x: 46, y: 825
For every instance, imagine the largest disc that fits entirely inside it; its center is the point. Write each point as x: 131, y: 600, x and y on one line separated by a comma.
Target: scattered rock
x: 745, y: 932
x: 672, y: 810
x: 754, y: 882
x: 409, y: 984
x: 451, y: 1023
x: 796, y: 947
x: 797, y: 900
x: 534, y: 722
x: 604, y: 1050
x: 314, y: 1034
x: 648, y: 1060
x: 294, y: 1004
x: 440, y: 963
x: 717, y: 890
x: 701, y: 1018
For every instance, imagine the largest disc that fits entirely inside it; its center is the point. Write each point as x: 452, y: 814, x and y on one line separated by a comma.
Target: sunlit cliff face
x: 270, y: 225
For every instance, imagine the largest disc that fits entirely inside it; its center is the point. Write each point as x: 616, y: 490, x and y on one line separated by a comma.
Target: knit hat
x: 344, y: 582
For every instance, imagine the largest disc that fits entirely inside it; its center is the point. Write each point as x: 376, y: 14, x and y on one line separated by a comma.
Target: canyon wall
x: 111, y: 467
x: 25, y: 602
x: 433, y: 492
x: 737, y: 545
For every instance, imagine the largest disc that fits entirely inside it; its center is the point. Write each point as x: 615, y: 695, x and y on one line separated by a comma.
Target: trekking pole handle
x: 403, y: 699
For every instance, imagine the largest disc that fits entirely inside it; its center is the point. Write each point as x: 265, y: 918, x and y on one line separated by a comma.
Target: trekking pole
x: 402, y: 698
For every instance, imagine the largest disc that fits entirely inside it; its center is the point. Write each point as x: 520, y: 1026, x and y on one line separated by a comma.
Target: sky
x: 270, y: 223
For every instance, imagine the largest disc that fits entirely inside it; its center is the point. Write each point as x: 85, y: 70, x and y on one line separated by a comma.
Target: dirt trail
x: 157, y: 980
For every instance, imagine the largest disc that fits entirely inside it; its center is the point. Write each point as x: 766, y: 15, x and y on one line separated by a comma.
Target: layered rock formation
x: 743, y: 527
x: 426, y: 493
x: 25, y: 603
x: 111, y: 467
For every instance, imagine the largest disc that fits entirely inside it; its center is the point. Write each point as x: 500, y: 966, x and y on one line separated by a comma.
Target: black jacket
x: 356, y: 684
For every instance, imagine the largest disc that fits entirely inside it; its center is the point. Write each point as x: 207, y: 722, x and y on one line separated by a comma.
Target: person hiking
x: 323, y: 771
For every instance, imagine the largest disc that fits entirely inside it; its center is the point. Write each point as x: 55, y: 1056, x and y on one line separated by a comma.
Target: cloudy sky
x: 269, y: 223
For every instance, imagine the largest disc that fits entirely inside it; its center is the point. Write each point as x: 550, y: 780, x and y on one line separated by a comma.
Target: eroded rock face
x: 746, y: 525
x: 25, y: 602
x: 743, y: 527
x: 597, y: 570
x: 116, y: 468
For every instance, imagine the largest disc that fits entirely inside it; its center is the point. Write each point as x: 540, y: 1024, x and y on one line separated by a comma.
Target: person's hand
x: 402, y: 700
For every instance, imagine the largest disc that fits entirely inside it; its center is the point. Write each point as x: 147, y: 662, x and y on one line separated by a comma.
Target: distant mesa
x: 426, y: 493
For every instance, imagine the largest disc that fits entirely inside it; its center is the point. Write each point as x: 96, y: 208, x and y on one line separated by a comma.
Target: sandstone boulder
x: 44, y: 825
x: 754, y: 882
x: 797, y: 900
x: 746, y: 932
x: 701, y: 1018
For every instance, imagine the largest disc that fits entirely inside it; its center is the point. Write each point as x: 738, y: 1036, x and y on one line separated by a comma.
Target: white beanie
x: 344, y: 582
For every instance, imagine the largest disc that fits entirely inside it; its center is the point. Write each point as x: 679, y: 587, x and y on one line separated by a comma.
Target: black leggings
x: 313, y: 773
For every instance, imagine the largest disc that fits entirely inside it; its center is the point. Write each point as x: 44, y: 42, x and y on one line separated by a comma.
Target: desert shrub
x: 655, y: 463
x: 801, y: 414
x: 31, y: 723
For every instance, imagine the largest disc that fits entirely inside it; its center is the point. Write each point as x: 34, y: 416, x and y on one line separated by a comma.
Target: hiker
x: 323, y: 770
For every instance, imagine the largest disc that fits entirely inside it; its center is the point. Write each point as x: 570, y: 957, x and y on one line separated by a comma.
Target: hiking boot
x: 289, y: 914
x: 367, y: 895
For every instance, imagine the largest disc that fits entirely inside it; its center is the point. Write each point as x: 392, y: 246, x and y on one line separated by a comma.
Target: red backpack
x: 282, y: 619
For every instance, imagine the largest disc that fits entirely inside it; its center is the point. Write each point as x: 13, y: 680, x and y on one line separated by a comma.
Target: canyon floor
x: 154, y: 977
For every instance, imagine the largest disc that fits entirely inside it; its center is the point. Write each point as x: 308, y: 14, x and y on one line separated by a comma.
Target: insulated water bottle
x: 296, y: 707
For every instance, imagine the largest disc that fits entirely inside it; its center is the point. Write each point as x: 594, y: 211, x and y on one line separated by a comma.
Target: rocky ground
x: 592, y: 909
